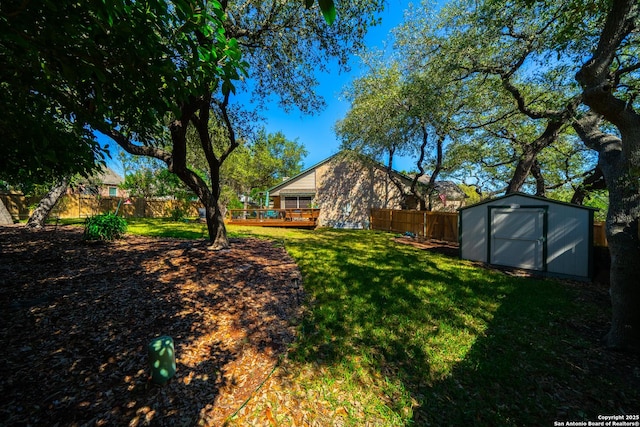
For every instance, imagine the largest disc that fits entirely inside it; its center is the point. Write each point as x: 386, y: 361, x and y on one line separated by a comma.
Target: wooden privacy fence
x: 82, y: 206
x: 429, y: 225
x: 599, y: 234
x: 440, y: 225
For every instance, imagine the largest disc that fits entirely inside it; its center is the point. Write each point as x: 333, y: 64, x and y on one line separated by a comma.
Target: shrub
x: 107, y: 226
x: 178, y: 214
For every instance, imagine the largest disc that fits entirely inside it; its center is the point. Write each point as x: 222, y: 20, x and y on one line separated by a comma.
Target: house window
x: 113, y: 191
x: 297, y: 202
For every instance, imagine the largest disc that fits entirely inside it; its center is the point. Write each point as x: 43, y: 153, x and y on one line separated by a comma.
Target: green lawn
x: 395, y: 335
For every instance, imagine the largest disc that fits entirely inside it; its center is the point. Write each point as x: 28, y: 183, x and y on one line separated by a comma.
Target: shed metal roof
x: 537, y: 198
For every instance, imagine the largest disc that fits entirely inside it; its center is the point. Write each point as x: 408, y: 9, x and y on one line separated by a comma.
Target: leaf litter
x: 76, y: 319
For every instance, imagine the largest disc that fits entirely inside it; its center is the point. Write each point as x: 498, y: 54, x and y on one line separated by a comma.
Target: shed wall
x: 568, y: 234
x: 474, y: 234
x: 568, y: 241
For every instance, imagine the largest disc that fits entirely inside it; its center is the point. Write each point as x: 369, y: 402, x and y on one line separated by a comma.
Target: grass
x: 398, y: 336
x: 156, y: 227
x: 396, y: 326
x: 162, y: 227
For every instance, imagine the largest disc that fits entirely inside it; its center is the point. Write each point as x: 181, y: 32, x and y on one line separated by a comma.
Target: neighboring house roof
x: 109, y: 177
x: 445, y: 187
x: 106, y: 176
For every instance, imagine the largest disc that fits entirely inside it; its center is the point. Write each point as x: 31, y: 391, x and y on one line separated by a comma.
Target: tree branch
x: 231, y: 134
x: 131, y: 148
x: 588, y: 129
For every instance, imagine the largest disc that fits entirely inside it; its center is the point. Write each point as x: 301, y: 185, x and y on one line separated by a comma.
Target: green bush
x: 107, y: 226
x: 177, y: 214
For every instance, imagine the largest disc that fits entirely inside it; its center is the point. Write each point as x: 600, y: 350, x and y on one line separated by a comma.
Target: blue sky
x: 316, y: 132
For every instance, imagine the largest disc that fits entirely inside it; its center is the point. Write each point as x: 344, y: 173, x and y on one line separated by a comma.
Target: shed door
x: 517, y: 237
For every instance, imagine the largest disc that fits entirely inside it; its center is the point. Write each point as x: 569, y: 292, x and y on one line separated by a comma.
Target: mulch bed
x: 76, y: 318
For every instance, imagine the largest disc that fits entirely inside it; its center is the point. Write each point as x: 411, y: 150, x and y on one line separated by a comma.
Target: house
x: 103, y: 183
x: 531, y: 233
x: 346, y: 186
x: 447, y: 197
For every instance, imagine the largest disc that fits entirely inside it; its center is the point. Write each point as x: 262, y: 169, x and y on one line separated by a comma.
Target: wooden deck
x: 295, y: 218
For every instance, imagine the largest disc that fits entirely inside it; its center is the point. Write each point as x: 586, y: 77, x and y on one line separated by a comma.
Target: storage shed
x: 529, y: 232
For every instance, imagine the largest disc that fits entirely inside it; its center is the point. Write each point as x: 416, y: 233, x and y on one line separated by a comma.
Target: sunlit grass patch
x: 162, y: 227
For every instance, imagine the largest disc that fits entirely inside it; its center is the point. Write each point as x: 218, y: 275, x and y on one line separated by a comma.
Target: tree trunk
x: 521, y: 172
x: 536, y: 172
x: 530, y: 154
x: 619, y: 159
x: 215, y: 215
x: 624, y: 247
x: 621, y: 229
x: 217, y: 229
x: 41, y: 213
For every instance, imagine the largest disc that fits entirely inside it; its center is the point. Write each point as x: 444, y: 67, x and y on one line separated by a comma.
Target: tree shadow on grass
x: 77, y: 317
x: 393, y: 307
x: 539, y: 361
x: 470, y: 346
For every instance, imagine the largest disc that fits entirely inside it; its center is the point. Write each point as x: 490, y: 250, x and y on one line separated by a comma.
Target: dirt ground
x: 76, y: 319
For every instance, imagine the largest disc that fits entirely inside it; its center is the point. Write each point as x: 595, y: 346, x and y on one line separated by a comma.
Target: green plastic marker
x: 162, y: 359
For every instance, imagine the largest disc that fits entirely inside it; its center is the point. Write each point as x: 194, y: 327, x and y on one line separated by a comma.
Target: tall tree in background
x: 496, y: 55
x: 536, y: 52
x: 378, y: 123
x: 261, y: 163
x: 394, y: 113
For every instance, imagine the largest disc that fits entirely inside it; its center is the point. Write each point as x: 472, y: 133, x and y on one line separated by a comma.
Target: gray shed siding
x: 567, y: 236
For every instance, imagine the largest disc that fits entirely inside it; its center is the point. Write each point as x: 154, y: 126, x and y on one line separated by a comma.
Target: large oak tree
x: 574, y: 63
x: 144, y: 73
x: 609, y: 81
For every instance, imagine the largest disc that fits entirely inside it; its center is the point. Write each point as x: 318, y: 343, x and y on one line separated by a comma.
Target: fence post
x: 424, y: 224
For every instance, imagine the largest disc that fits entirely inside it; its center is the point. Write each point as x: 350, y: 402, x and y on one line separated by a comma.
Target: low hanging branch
x: 594, y: 181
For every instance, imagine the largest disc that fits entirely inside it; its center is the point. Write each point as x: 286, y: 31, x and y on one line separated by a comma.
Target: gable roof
x: 528, y: 196
x: 447, y: 187
x: 304, y: 172
x: 105, y: 176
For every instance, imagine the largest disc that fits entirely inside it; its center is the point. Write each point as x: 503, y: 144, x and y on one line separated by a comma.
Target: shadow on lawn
x: 471, y: 346
x: 540, y: 360
x: 77, y: 317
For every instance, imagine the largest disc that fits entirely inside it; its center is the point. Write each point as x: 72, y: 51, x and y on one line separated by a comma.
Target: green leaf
x: 228, y: 87
x: 328, y: 9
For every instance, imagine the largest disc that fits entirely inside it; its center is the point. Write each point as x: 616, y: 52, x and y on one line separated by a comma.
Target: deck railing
x: 274, y: 217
